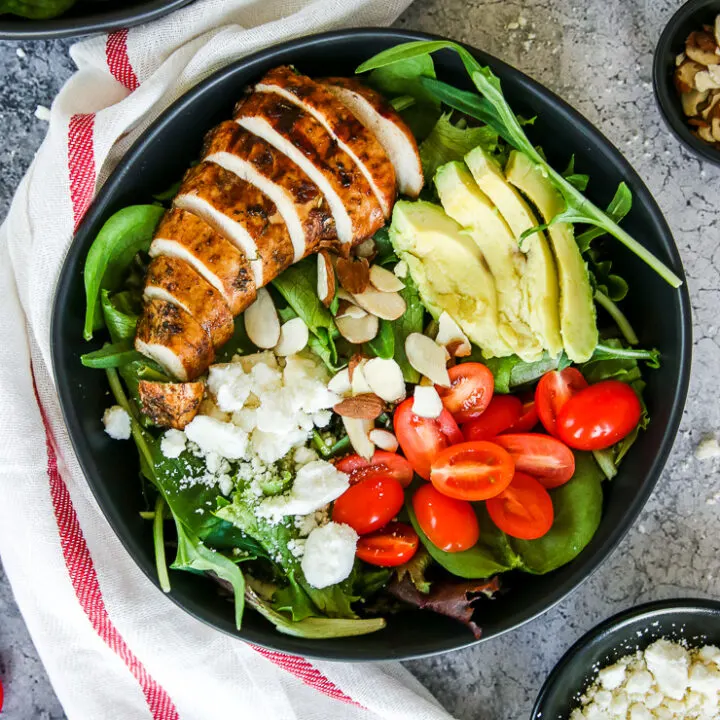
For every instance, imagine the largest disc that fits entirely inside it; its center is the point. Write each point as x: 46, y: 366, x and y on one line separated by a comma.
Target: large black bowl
x: 695, y: 622
x: 691, y: 16
x: 88, y: 16
x: 661, y: 315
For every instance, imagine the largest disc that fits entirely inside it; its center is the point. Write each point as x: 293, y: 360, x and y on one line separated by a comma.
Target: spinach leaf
x: 116, y: 355
x: 383, y: 344
x: 383, y: 247
x: 578, y: 509
x: 126, y: 233
x: 120, y: 320
x: 494, y: 109
x: 411, y: 321
x: 448, y: 142
x: 36, y: 9
x: 491, y: 555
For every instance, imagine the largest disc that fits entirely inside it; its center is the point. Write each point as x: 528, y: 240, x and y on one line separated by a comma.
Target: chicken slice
x: 170, y: 336
x: 389, y: 128
x: 305, y: 141
x: 185, y: 236
x: 243, y: 214
x: 352, y: 136
x: 298, y: 199
x: 175, y: 281
x: 171, y: 405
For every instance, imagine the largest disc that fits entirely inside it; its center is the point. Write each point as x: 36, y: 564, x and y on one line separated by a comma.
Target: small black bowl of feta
x: 658, y: 660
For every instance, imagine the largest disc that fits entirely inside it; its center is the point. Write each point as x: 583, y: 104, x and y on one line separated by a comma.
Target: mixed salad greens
x: 36, y: 9
x: 500, y: 498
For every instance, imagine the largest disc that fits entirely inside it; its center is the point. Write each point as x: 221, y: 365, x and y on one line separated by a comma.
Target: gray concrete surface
x: 597, y: 55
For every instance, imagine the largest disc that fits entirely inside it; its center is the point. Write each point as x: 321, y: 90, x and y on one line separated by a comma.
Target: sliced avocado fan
x: 578, y: 325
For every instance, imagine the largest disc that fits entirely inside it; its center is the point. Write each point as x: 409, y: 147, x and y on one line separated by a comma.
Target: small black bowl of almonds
x: 686, y: 77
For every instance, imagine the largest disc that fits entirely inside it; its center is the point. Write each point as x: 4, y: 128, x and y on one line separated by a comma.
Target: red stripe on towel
x: 81, y: 164
x: 118, y: 61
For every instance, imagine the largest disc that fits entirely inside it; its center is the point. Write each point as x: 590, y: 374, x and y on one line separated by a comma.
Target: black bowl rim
x: 665, y: 97
x: 642, y: 195
x: 94, y: 22
x: 647, y: 611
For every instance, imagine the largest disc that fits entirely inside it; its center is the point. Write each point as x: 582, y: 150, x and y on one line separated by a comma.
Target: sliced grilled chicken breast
x: 187, y: 237
x: 352, y: 136
x: 170, y: 404
x: 175, y: 281
x: 305, y: 141
x: 243, y: 214
x: 173, y: 338
x: 298, y: 199
x: 373, y: 111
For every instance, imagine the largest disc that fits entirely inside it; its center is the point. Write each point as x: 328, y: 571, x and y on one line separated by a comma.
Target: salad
x: 370, y: 350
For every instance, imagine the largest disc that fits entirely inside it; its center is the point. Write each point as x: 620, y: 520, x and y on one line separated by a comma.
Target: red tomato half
x: 528, y: 418
x: 450, y: 524
x: 599, y: 416
x: 470, y: 392
x: 524, y: 510
x: 369, y: 504
x: 383, y: 463
x: 548, y: 460
x: 502, y: 413
x: 472, y: 470
x: 391, y: 546
x: 421, y: 439
x: 553, y: 391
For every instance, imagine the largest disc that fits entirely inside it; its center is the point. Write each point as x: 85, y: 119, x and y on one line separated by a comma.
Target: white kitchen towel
x: 115, y: 648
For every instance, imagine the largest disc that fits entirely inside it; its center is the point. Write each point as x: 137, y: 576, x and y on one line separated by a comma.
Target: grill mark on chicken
x: 171, y: 405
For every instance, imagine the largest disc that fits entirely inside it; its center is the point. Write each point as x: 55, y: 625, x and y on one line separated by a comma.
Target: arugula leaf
x: 499, y: 115
x: 116, y: 355
x: 448, y: 142
x: 383, y: 344
x: 578, y: 509
x: 619, y: 207
x: 578, y: 180
x: 618, y: 316
x: 411, y: 321
x: 126, y: 233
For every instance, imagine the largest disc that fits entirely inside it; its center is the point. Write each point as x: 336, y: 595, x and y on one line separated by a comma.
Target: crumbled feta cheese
x: 322, y: 418
x: 230, y: 385
x: 329, y: 554
x: 173, y: 443
x: 304, y: 455
x: 426, y: 402
x: 315, y: 485
x: 296, y: 547
x: 666, y: 681
x: 225, y: 482
x: 117, y: 423
x: 213, y: 435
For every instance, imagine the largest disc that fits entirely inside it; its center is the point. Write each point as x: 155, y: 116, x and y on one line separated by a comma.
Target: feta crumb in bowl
x: 659, y: 660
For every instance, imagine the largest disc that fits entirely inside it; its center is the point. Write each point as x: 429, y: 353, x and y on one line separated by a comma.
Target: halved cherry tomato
x: 524, y: 510
x: 390, y: 546
x: 382, y: 463
x: 528, y: 417
x: 470, y: 392
x: 548, y: 460
x: 553, y: 391
x: 502, y: 412
x: 472, y: 470
x: 369, y: 504
x: 599, y: 416
x: 450, y: 524
x: 421, y: 439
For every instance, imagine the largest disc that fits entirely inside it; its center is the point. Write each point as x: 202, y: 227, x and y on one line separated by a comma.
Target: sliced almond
x: 680, y: 59
x: 361, y: 407
x: 704, y: 132
x: 427, y: 357
x: 261, y: 321
x: 345, y: 295
x: 358, y: 432
x: 355, y: 362
x: 385, y: 305
x: 452, y: 337
x: 426, y: 402
x: 366, y: 249
x: 385, y: 281
x: 717, y: 30
x: 358, y: 382
x: 350, y: 310
x: 294, y: 337
x: 325, y: 278
x: 705, y: 81
x: 384, y: 439
x: 685, y: 76
x: 700, y: 47
x: 358, y: 330
x: 692, y: 100
x: 714, y: 71
x: 385, y: 379
x: 354, y: 275
x: 707, y: 111
x: 340, y: 383
x: 401, y: 270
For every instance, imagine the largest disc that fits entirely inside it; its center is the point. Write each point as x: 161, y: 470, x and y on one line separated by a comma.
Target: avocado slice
x: 543, y: 292
x: 578, y: 325
x: 465, y: 203
x: 450, y: 272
